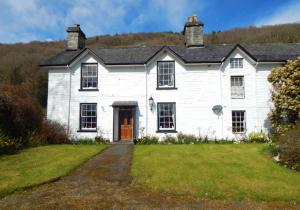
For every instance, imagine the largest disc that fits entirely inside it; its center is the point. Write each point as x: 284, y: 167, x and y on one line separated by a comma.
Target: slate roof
x: 208, y: 54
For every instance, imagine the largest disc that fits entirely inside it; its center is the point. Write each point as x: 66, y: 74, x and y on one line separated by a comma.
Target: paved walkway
x: 104, y: 183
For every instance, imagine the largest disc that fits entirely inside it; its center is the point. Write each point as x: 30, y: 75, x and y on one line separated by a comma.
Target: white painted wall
x: 199, y: 88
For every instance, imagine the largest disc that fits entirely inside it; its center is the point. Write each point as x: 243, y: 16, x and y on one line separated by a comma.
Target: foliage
x: 52, y: 132
x: 8, y: 145
x: 41, y: 164
x: 210, y: 171
x: 20, y: 112
x: 89, y: 141
x: 285, y: 96
x: 289, y: 147
x: 182, y: 139
x: 258, y: 137
x: 148, y: 140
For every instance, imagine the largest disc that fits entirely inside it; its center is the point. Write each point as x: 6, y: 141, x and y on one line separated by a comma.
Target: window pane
x: 238, y: 121
x: 166, y: 117
x: 166, y: 73
x: 237, y: 87
x: 88, y: 116
x: 89, y: 78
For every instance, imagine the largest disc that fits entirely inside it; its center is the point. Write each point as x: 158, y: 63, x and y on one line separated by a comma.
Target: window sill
x: 88, y: 89
x: 166, y: 88
x: 86, y: 131
x: 166, y: 131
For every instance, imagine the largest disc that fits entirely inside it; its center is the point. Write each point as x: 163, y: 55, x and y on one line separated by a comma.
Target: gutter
x: 146, y: 99
x: 221, y: 99
x: 69, y: 104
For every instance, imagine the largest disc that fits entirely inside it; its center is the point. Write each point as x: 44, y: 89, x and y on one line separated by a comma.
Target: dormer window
x: 165, y: 74
x: 89, y: 76
x: 236, y: 63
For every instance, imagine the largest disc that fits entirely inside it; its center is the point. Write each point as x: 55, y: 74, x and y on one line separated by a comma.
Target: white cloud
x: 26, y: 20
x: 286, y: 14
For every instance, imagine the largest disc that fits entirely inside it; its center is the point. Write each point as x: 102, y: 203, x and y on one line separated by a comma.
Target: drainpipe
x: 221, y: 97
x: 146, y: 100
x: 69, y: 105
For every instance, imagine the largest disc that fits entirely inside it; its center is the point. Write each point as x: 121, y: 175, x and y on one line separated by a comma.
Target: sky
x: 47, y: 20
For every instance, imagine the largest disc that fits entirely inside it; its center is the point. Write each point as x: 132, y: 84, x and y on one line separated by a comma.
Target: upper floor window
x: 88, y: 117
x: 238, y: 121
x: 89, y: 76
x: 166, y: 74
x: 237, y: 87
x: 236, y: 63
x: 166, y: 116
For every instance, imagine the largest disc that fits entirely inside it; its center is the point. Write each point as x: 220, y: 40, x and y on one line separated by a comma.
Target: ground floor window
x: 238, y: 121
x: 166, y: 114
x: 88, y: 116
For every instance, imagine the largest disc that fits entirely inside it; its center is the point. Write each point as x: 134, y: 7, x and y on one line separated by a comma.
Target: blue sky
x: 28, y: 20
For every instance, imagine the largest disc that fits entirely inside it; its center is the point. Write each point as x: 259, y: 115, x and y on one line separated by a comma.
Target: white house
x: 122, y: 93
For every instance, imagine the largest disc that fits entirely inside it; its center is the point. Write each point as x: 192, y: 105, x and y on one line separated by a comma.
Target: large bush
x: 289, y: 147
x: 53, y: 133
x: 285, y: 96
x: 20, y: 112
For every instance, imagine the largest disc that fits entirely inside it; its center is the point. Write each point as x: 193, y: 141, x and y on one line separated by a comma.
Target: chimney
x: 76, y: 38
x: 193, y: 32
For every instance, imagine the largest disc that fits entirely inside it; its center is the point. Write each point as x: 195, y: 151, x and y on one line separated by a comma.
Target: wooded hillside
x: 20, y: 62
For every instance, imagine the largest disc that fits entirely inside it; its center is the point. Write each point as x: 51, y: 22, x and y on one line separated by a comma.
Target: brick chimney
x: 76, y: 38
x: 193, y: 32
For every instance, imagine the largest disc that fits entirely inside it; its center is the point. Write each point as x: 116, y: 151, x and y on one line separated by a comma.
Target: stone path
x: 104, y: 182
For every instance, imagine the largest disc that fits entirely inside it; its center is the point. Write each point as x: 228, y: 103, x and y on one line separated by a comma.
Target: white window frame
x: 88, y: 116
x: 165, y: 74
x: 236, y: 63
x: 238, y: 122
x: 89, y: 75
x: 166, y: 118
x: 237, y: 86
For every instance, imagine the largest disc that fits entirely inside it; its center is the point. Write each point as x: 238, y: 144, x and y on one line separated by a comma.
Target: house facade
x: 124, y: 93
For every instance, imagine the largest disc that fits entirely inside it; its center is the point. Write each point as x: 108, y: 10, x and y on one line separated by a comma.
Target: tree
x: 285, y: 96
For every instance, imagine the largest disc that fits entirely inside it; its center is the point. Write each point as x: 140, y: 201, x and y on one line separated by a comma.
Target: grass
x: 225, y: 172
x: 41, y: 164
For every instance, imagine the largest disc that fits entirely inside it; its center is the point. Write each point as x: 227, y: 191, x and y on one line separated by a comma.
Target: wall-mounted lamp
x: 151, y: 103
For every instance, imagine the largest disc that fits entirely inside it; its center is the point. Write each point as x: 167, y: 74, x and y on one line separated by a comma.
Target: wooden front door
x: 126, y: 124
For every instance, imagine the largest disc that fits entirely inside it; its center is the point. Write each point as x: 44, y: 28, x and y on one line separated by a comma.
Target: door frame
x: 116, y: 122
x: 129, y: 110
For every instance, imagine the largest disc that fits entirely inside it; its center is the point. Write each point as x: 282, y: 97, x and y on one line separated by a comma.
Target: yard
x: 213, y: 171
x: 41, y: 164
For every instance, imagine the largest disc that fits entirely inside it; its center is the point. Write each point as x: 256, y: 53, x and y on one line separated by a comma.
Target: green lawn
x: 37, y: 165
x: 214, y: 171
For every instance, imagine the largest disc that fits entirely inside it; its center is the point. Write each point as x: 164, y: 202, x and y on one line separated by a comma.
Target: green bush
x: 168, y: 139
x: 289, y: 147
x: 9, y: 145
x: 258, y: 137
x: 101, y: 140
x: 187, y: 139
x: 148, y: 140
x: 89, y: 141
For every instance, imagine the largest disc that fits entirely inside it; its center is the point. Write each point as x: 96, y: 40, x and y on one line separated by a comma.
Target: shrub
x: 260, y: 137
x: 168, y: 139
x: 285, y: 96
x: 8, y: 145
x: 101, y: 140
x: 89, y: 141
x: 148, y: 140
x: 20, y: 112
x: 289, y: 147
x: 53, y: 133
x: 187, y: 139
x: 34, y: 139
